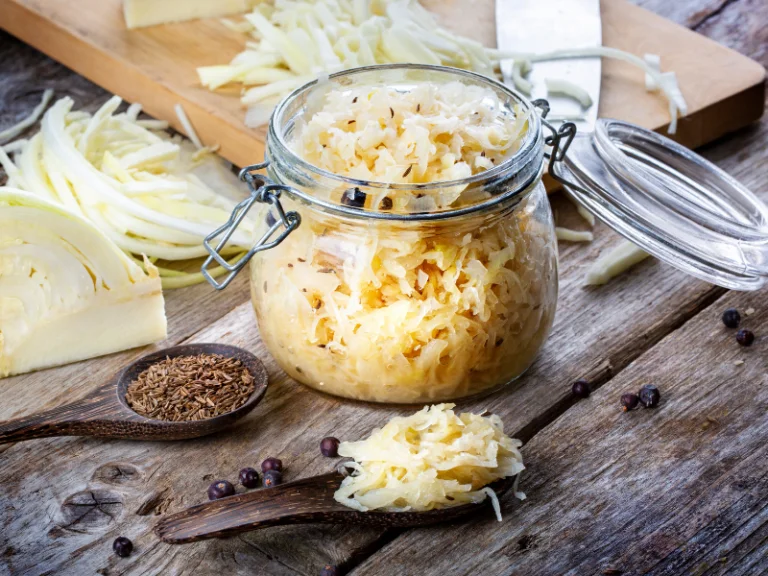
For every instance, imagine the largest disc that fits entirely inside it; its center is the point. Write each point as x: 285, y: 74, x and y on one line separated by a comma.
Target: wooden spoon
x: 302, y: 502
x: 105, y: 413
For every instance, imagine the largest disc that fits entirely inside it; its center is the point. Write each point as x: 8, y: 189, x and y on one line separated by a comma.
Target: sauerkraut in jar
x: 425, y: 264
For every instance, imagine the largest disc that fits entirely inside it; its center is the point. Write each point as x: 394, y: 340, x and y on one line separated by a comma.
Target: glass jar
x: 371, y: 302
x: 375, y: 304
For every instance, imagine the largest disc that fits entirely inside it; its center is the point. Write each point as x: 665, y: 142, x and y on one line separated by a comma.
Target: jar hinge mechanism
x: 262, y: 190
x: 559, y: 141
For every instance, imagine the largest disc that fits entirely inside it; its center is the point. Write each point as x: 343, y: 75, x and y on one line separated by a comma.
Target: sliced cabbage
x: 302, y: 38
x: 432, y: 459
x: 614, y: 262
x: 150, y: 193
x: 67, y: 292
x: 29, y: 120
x: 573, y: 235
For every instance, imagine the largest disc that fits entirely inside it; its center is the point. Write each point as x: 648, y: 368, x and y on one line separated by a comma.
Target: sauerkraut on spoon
x: 432, y: 459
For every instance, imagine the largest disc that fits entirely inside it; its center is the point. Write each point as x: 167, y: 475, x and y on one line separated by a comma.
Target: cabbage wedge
x: 67, y: 292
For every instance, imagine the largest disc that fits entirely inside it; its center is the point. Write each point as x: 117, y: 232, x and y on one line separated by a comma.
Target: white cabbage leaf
x: 67, y: 292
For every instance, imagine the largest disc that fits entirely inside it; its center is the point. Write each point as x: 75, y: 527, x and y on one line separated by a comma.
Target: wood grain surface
x: 677, y: 489
x: 680, y: 494
x: 156, y: 66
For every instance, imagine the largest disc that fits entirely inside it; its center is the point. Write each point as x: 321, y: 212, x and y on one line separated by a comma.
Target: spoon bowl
x: 105, y: 413
x: 306, y: 501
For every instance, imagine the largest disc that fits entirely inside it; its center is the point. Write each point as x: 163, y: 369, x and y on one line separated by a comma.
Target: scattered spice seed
x: 354, y: 100
x: 354, y: 197
x: 649, y: 396
x: 329, y: 447
x: 391, y: 112
x: 249, y: 477
x: 190, y: 388
x: 408, y: 170
x: 731, y: 318
x: 351, y: 121
x: 482, y: 154
x: 220, y: 489
x: 386, y: 203
x: 745, y: 337
x: 122, y: 546
x: 272, y: 478
x: 272, y: 464
x: 418, y: 107
x: 581, y: 389
x: 301, y: 259
x: 629, y: 402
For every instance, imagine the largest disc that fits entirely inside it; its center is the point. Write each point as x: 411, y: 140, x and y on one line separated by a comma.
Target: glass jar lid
x: 666, y: 199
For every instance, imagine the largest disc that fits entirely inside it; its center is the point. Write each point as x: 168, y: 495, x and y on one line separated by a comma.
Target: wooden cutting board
x: 156, y: 66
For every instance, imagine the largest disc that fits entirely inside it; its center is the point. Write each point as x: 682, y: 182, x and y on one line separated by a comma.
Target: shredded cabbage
x: 614, y: 262
x: 297, y: 39
x: 67, y: 293
x: 573, y: 235
x: 432, y: 459
x: 30, y: 120
x: 150, y: 193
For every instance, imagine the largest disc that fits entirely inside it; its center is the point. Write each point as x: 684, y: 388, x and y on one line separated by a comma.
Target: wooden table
x: 682, y: 489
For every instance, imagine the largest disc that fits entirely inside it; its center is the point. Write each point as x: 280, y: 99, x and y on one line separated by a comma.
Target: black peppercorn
x: 272, y: 478
x: 580, y: 388
x: 731, y: 318
x: 122, y: 546
x: 353, y: 197
x: 629, y: 402
x: 649, y: 396
x: 249, y: 478
x: 272, y: 464
x: 330, y: 447
x: 220, y: 489
x: 745, y: 337
x: 386, y: 203
x: 330, y: 570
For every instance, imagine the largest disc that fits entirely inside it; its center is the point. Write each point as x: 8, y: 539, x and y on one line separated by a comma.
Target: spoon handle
x: 305, y: 501
x: 75, y: 419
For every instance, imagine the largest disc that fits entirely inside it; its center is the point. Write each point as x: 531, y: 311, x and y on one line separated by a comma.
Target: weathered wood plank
x: 289, y: 424
x: 42, y: 535
x: 681, y: 489
x: 688, y: 14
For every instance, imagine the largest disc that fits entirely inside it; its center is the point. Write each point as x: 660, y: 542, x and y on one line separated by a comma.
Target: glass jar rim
x: 527, y: 152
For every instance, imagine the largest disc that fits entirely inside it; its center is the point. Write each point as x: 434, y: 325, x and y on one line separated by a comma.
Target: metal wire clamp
x: 262, y: 190
x: 559, y: 140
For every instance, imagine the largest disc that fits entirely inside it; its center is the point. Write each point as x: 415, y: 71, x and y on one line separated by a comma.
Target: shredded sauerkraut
x: 431, y: 133
x: 432, y: 459
x: 414, y: 311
